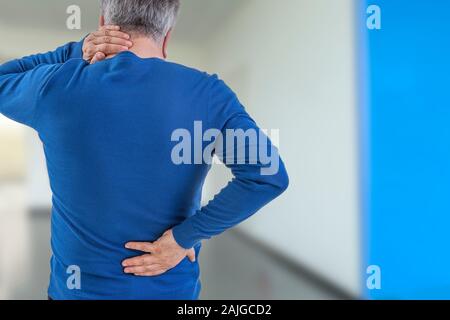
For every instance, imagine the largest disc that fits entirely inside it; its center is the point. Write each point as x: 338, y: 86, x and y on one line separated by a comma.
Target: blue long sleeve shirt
x: 107, y: 134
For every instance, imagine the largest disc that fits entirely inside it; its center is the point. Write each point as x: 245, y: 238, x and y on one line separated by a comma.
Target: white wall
x: 12, y: 153
x: 293, y: 65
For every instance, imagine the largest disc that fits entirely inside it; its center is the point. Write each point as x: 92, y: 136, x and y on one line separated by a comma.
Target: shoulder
x: 69, y: 69
x: 184, y: 71
x: 211, y: 80
x: 216, y: 88
x: 74, y: 64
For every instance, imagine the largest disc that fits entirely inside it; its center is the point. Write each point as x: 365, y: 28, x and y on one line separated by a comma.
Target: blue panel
x: 407, y: 185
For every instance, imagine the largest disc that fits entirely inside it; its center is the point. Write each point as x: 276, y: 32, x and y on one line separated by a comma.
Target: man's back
x: 112, y: 133
x: 106, y: 131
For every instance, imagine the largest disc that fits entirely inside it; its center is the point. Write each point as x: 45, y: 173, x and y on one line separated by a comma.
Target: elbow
x: 282, y: 178
x: 278, y: 179
x: 278, y: 183
x: 282, y: 182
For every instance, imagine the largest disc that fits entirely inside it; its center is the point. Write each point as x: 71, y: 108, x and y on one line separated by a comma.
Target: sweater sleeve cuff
x: 186, y: 235
x: 76, y: 49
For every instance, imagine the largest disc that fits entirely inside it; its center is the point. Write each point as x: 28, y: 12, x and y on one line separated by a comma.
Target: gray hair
x: 151, y: 18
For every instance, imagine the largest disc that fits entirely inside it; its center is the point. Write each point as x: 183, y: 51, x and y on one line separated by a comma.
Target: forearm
x: 62, y: 54
x: 234, y: 204
x: 258, y: 179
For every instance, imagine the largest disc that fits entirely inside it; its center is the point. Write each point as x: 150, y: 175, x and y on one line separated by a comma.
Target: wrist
x: 183, y: 234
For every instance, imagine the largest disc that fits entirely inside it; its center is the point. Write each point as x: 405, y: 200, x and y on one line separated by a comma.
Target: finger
x: 110, y: 33
x: 191, y: 255
x: 99, y: 56
x: 89, y: 38
x: 108, y: 49
x: 140, y: 261
x: 141, y: 269
x: 141, y: 246
x: 151, y: 274
x: 112, y: 40
x: 109, y: 27
x: 134, y: 262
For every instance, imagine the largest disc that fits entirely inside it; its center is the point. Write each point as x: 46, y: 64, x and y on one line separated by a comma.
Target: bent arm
x: 256, y: 181
x: 246, y: 194
x: 20, y: 93
x: 72, y: 50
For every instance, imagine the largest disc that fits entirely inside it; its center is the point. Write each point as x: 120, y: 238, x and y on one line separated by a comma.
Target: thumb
x: 191, y: 255
x: 99, y: 56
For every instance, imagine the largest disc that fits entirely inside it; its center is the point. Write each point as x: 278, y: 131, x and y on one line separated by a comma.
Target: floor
x: 231, y: 267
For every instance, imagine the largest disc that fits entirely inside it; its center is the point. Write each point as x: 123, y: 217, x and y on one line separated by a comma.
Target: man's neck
x: 145, y: 47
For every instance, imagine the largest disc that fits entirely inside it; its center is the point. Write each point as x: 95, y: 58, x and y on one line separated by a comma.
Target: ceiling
x: 198, y: 21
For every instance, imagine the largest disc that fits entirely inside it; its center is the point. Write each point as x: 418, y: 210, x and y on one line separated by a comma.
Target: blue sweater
x: 106, y: 131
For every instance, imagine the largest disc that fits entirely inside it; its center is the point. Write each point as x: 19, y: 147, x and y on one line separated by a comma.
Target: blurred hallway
x: 26, y: 239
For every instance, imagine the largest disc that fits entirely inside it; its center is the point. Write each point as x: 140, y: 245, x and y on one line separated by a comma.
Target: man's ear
x: 101, y: 21
x: 165, y: 43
